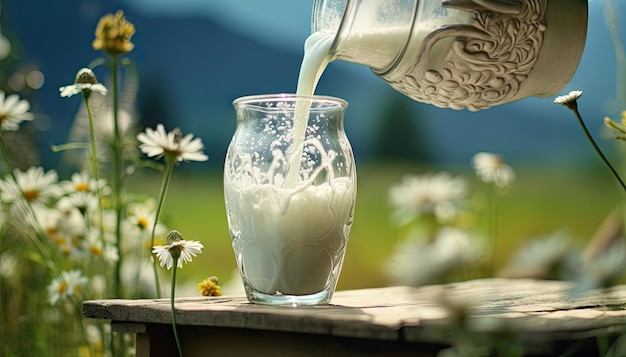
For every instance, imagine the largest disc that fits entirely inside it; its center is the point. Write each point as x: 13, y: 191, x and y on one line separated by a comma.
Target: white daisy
x: 61, y: 228
x: 42, y: 217
x: 541, y: 258
x: 176, y: 247
x: 188, y: 249
x: 417, y: 261
x: 141, y: 215
x: 603, y: 270
x: 157, y: 143
x: 140, y: 219
x: 93, y: 245
x: 439, y: 195
x: 85, y: 202
x: 67, y: 285
x: 85, y: 82
x: 13, y: 111
x: 83, y: 182
x: 569, y: 98
x: 70, y: 90
x: 32, y: 186
x: 491, y: 168
x: 71, y: 221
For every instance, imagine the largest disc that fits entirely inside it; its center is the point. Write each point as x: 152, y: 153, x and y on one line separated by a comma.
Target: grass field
x: 542, y: 201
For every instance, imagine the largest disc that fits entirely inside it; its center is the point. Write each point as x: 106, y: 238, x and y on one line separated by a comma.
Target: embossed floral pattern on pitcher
x: 460, y: 54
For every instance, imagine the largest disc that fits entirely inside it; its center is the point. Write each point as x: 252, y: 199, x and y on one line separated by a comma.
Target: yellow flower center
x: 62, y: 288
x: 82, y: 187
x: 498, y: 161
x: 57, y: 239
x: 142, y: 223
x: 31, y: 195
x: 97, y: 251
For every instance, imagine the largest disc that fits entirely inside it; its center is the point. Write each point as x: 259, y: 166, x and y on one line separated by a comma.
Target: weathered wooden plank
x: 532, y: 309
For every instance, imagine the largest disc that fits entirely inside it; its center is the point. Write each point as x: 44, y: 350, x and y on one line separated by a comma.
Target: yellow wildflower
x: 113, y: 34
x: 209, y: 287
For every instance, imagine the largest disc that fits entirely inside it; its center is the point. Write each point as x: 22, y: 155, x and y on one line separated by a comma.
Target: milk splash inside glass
x: 289, y: 239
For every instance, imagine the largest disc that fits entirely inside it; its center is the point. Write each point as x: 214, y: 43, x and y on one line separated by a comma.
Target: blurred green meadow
x: 542, y: 201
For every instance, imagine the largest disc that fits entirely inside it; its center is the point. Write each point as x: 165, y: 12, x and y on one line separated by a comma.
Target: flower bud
x: 85, y: 75
x: 172, y: 237
x: 113, y: 34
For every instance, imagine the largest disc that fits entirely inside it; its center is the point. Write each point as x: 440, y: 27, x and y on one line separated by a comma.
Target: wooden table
x: 541, y: 318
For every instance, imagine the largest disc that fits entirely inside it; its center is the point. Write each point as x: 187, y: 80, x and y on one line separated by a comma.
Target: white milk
x: 292, y: 251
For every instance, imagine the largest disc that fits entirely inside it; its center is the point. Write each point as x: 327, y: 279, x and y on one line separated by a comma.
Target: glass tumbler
x: 290, y: 191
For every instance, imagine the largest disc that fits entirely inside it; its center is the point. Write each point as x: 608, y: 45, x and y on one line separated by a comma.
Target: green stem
x: 167, y: 175
x: 7, y: 157
x: 574, y: 108
x: 118, y: 163
x: 94, y: 164
x: 69, y: 146
x: 432, y: 226
x: 493, y: 226
x: 180, y: 350
x: 117, y: 172
x: 140, y: 255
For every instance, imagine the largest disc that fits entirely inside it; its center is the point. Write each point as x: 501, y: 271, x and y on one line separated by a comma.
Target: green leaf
x: 71, y: 146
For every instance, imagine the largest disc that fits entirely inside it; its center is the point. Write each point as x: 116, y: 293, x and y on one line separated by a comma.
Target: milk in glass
x: 290, y: 220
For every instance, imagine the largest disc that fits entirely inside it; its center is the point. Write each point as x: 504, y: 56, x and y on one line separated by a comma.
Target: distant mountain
x: 192, y: 69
